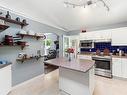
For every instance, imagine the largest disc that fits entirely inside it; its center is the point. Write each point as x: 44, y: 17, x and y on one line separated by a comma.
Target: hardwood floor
x: 48, y: 85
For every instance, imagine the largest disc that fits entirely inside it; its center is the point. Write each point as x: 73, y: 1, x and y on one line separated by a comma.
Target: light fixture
x: 84, y: 6
x: 89, y: 2
x: 84, y: 3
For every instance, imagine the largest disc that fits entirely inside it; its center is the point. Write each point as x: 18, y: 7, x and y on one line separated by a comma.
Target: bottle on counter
x: 120, y: 52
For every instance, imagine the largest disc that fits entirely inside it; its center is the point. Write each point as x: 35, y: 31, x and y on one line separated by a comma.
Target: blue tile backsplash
x: 102, y: 45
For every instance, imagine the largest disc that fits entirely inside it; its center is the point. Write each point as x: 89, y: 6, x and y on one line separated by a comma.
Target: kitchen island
x: 76, y: 77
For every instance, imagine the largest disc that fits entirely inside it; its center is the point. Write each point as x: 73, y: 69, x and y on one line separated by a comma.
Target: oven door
x: 103, y: 64
x: 103, y: 68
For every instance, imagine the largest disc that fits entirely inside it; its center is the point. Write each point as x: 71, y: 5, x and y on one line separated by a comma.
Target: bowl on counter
x: 3, y: 61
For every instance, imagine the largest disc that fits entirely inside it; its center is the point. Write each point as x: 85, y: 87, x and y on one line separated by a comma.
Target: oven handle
x: 102, y: 59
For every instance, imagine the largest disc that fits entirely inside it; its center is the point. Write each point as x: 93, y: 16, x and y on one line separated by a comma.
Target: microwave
x: 86, y: 44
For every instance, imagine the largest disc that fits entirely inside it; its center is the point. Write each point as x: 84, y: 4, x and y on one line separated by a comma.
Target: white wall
x: 32, y: 68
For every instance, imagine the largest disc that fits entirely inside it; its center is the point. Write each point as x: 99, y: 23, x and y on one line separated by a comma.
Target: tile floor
x: 48, y: 85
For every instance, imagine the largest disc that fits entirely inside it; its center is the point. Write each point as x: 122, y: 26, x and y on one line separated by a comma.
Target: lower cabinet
x: 119, y: 68
x: 124, y: 67
x: 5, y: 80
x: 119, y: 65
x: 116, y: 67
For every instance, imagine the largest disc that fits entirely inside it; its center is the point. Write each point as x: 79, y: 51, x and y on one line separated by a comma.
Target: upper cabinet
x: 96, y: 35
x: 102, y: 34
x: 87, y: 36
x: 119, y: 37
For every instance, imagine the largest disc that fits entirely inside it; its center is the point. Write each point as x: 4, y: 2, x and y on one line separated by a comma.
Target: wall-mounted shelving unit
x: 14, y: 21
x: 3, y: 27
x: 22, y: 46
x: 33, y: 36
x: 28, y: 58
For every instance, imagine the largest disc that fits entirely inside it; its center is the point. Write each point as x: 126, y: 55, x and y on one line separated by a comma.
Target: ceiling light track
x: 87, y: 3
x: 105, y: 5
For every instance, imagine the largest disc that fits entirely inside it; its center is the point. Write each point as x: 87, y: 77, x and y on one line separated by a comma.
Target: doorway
x: 51, y: 50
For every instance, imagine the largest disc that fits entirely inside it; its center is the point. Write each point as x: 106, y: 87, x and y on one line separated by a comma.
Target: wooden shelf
x: 22, y: 46
x: 28, y: 58
x: 14, y: 21
x: 34, y: 36
x: 23, y: 59
x: 3, y: 27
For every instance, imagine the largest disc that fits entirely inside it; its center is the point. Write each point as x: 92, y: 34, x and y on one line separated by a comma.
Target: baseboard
x: 120, y: 78
x: 26, y: 82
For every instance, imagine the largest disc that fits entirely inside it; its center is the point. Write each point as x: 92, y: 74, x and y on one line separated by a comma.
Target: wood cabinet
x: 5, y: 80
x: 119, y: 67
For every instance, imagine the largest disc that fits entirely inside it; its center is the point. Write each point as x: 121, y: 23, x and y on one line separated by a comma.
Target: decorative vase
x: 69, y: 57
x: 24, y: 21
x: 17, y: 19
x: 8, y: 16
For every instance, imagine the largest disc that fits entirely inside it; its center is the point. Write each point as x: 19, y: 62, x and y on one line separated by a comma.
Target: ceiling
x: 54, y: 13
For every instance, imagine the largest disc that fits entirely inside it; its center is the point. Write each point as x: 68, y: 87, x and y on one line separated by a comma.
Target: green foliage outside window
x: 48, y: 42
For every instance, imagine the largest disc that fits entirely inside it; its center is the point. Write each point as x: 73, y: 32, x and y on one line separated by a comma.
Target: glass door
x: 66, y: 44
x: 74, y: 43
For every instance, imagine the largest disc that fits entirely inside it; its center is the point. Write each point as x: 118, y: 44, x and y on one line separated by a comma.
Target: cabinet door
x: 124, y: 67
x: 116, y: 69
x: 83, y: 36
x: 119, y: 36
x: 87, y: 36
x: 5, y: 80
x: 106, y: 34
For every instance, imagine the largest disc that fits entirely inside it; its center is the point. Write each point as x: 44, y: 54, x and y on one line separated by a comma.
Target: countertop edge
x: 113, y: 56
x: 4, y: 65
x: 70, y: 68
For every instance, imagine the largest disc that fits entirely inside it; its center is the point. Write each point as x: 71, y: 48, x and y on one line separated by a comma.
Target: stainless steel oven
x: 103, y: 65
x: 86, y: 44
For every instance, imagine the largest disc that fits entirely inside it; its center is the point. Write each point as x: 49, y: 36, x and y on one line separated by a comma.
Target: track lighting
x: 84, y: 3
x: 89, y: 2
